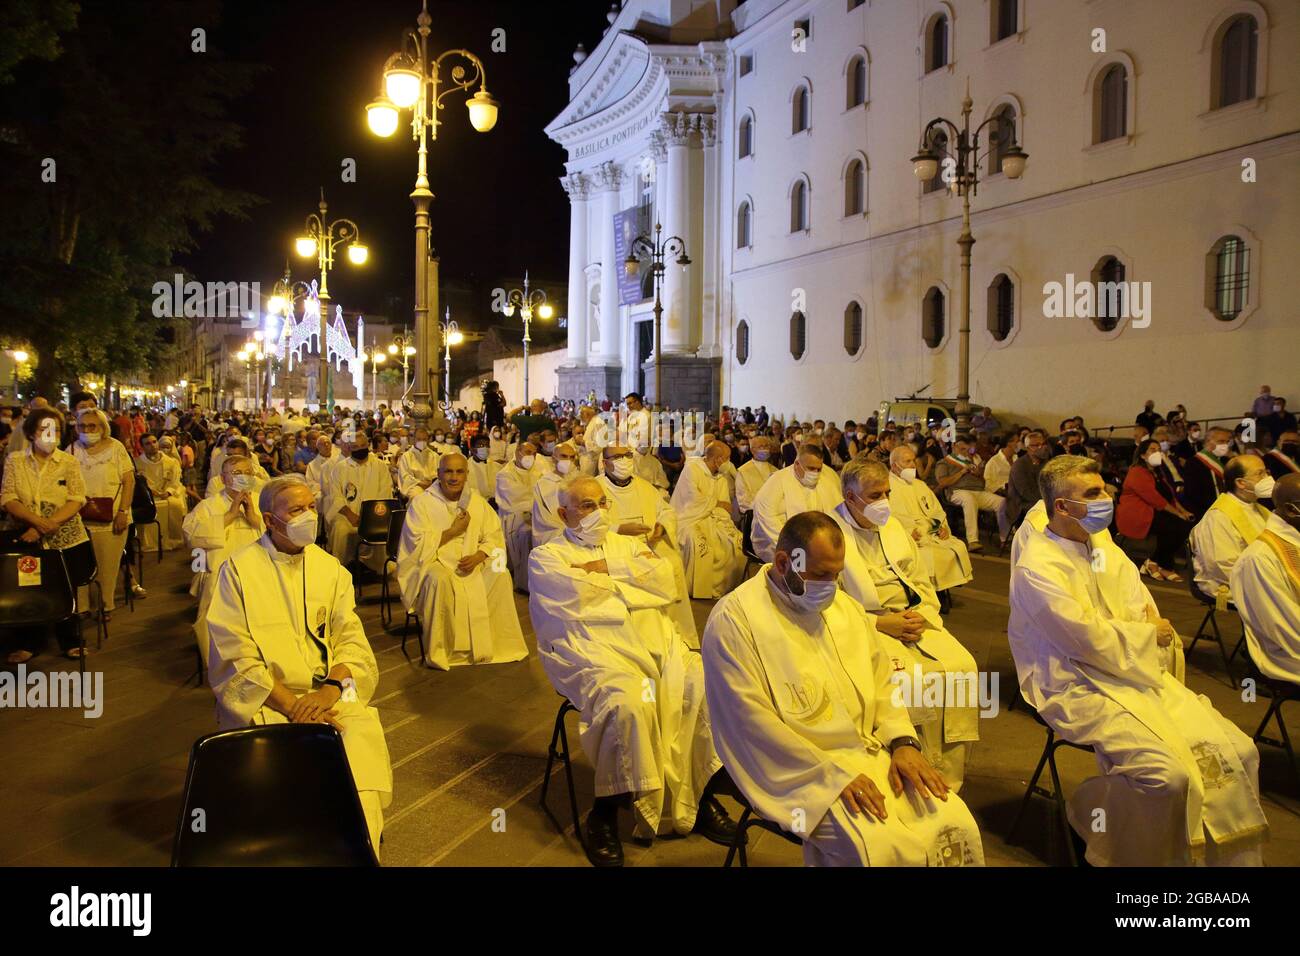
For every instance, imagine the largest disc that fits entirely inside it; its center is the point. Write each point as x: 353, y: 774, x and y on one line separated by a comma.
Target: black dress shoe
x: 603, y: 845
x: 712, y: 823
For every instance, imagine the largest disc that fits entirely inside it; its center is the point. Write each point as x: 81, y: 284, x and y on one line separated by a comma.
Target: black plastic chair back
x: 376, y: 517
x: 143, y: 509
x: 34, y: 589
x: 80, y: 561
x: 747, y: 535
x: 271, y: 795
x: 395, y: 531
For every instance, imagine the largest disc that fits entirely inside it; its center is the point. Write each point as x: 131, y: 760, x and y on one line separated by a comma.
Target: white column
x: 705, y: 337
x: 578, y: 188
x: 611, y: 180
x: 677, y: 131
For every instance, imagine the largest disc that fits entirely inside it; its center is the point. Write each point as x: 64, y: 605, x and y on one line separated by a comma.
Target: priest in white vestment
x: 807, y: 721
x: 595, y: 435
x: 515, y: 505
x: 599, y: 605
x: 753, y: 474
x: 236, y: 449
x: 359, y: 478
x: 315, y: 476
x: 1179, y: 783
x: 482, y: 469
x: 220, y: 526
x: 1230, y: 525
x: 546, y: 522
x: 945, y: 556
x: 807, y: 485
x: 712, y: 550
x: 287, y: 645
x: 646, y: 465
x: 883, y: 573
x: 636, y: 508
x: 451, y: 569
x: 417, y: 468
x: 163, y: 475
x: 1266, y: 587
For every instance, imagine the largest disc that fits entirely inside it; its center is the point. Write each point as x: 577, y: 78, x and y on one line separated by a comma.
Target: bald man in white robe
x: 806, y: 719
x: 1179, y: 784
x: 273, y: 661
x: 636, y: 508
x: 807, y: 485
x: 1265, y: 585
x: 599, y: 606
x: 712, y: 550
x: 945, y: 556
x: 417, y: 467
x: 515, y: 506
x: 451, y: 568
x: 883, y: 573
x: 353, y: 482
x: 162, y: 473
x: 1231, y: 524
x: 546, y: 522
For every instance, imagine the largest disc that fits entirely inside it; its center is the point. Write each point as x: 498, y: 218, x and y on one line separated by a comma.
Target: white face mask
x: 1220, y: 450
x: 763, y: 455
x: 810, y: 479
x: 46, y: 444
x: 89, y: 438
x: 877, y: 512
x: 301, y: 530
x: 526, y: 463
x: 816, y: 597
x: 1154, y: 459
x: 242, y: 482
x: 1164, y: 446
x: 563, y: 466
x: 592, y: 529
x: 481, y: 453
x: 548, y: 447
x: 1264, y: 487
x: 908, y: 475
x: 618, y: 468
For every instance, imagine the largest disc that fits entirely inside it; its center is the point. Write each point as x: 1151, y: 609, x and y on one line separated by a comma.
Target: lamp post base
x: 689, y: 382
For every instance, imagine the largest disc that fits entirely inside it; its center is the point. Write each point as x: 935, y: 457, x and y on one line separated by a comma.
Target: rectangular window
x: 746, y: 64
x: 805, y: 26
x: 854, y: 4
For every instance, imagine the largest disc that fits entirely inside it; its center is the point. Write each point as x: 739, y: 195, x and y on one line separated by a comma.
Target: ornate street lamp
x: 376, y: 358
x: 655, y: 250
x: 526, y: 303
x: 451, y: 335
x: 403, y: 347
x: 926, y: 164
x: 413, y: 79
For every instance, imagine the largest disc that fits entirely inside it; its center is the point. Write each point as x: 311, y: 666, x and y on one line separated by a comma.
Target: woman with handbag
x: 43, y: 492
x: 109, y: 473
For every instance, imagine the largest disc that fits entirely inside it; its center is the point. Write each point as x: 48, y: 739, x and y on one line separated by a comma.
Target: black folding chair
x: 747, y: 542
x: 553, y: 753
x: 1048, y: 759
x: 372, y: 531
x: 394, y: 540
x: 83, y: 571
x: 1211, y: 606
x: 35, y: 592
x: 1280, y: 692
x: 748, y: 819
x: 271, y: 795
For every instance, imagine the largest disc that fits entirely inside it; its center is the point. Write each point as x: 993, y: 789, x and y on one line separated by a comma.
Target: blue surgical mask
x: 817, y: 596
x: 1099, y: 514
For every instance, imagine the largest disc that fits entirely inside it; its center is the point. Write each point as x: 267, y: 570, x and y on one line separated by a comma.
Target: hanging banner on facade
x: 625, y: 233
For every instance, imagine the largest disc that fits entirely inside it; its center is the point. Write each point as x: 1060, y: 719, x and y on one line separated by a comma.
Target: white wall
x: 543, y: 382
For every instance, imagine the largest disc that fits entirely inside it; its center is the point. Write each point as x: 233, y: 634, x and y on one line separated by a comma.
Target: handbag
x: 98, y: 509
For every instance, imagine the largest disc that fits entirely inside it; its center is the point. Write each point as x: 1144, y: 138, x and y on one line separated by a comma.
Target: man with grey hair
x: 287, y: 645
x: 808, y: 721
x: 711, y: 547
x: 600, y: 603
x: 807, y: 485
x: 1179, y: 784
x: 753, y: 474
x: 943, y: 555
x: 514, y: 495
x: 546, y: 523
x: 883, y: 572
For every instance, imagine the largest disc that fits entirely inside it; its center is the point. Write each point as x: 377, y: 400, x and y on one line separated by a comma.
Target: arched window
x: 938, y: 143
x: 742, y: 342
x: 853, y: 328
x: 1006, y: 19
x: 1108, y: 281
x: 799, y: 110
x: 856, y: 82
x: 936, y: 44
x: 1112, y: 104
x: 855, y: 188
x: 744, y: 226
x: 799, y: 206
x: 1001, y: 306
x: 1228, y: 282
x: 932, y: 317
x: 1002, y: 133
x: 745, y: 144
x: 798, y: 335
x: 1238, y: 59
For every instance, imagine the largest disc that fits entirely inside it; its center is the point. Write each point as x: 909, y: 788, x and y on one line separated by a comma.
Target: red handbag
x: 98, y: 509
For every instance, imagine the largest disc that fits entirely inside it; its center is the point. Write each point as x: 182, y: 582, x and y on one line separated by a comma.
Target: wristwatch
x: 333, y: 683
x: 903, y: 742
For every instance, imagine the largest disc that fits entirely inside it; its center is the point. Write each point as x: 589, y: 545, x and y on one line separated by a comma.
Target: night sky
x: 498, y: 205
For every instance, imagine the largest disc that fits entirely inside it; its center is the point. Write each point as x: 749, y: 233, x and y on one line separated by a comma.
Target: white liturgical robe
x: 1220, y: 537
x: 881, y: 566
x: 415, y: 466
x: 546, y: 521
x: 712, y: 550
x: 649, y: 467
x: 946, y: 560
x: 483, y: 478
x: 801, y: 704
x: 205, y: 527
x: 164, y: 478
x: 291, y: 617
x: 1035, y: 522
x: 466, y: 618
x: 607, y: 643
x: 351, y: 484
x: 641, y: 502
x: 1266, y: 590
x: 782, y: 497
x: 1179, y: 783
x: 515, y: 505
x: 750, y: 477
x: 315, y: 476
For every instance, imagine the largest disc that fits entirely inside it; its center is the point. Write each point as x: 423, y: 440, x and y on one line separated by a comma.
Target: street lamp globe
x: 276, y: 304
x: 381, y: 116
x: 924, y: 165
x: 455, y: 338
x: 631, y: 266
x: 546, y: 311
x: 409, y: 350
x: 392, y: 349
x: 1013, y: 162
x: 358, y: 253
x: 306, y: 246
x: 20, y: 356
x: 379, y: 358
x: 402, y: 86
x: 508, y: 309
x: 482, y: 111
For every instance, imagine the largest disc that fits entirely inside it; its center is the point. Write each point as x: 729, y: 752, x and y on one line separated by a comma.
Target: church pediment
x: 611, y: 97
